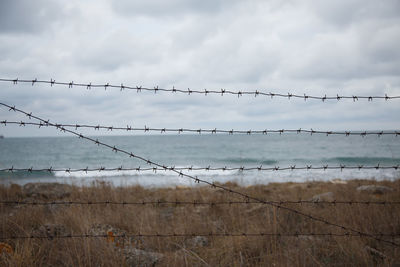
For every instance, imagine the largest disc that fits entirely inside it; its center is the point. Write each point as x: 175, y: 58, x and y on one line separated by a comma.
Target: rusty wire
x: 198, y: 180
x: 146, y: 129
x: 189, y: 91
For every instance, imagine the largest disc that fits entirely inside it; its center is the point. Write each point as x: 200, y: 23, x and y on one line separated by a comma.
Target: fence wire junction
x: 212, y: 184
x: 208, y: 168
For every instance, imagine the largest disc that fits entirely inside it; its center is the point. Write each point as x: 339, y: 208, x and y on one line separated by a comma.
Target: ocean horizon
x: 273, y: 152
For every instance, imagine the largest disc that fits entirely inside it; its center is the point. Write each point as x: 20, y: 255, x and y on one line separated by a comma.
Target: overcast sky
x: 313, y: 47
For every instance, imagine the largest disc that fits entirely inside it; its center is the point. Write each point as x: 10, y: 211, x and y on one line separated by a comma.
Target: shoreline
x: 172, y: 181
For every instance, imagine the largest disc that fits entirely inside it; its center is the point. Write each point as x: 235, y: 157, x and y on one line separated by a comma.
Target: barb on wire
x: 198, y: 180
x: 190, y: 203
x: 208, y: 168
x: 189, y: 91
x: 210, y: 234
x: 146, y: 129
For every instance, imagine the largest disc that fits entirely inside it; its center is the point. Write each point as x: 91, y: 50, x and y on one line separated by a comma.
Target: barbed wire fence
x: 204, y: 131
x: 247, y: 197
x: 208, y: 168
x: 189, y: 91
x: 210, y: 234
x: 192, y: 203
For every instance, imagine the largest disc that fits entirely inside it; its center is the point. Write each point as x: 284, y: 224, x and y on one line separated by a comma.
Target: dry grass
x: 220, y: 251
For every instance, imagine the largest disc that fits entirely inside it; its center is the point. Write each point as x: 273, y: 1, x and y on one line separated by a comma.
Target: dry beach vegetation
x: 114, y: 221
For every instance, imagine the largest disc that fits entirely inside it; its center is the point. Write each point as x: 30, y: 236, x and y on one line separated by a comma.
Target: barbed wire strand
x: 146, y: 129
x: 191, y: 203
x: 189, y: 91
x: 198, y: 180
x: 208, y: 168
x: 210, y: 234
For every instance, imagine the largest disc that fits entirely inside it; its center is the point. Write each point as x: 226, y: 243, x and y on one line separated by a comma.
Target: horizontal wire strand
x: 208, y: 168
x: 211, y: 234
x: 189, y: 91
x: 146, y: 129
x: 191, y: 203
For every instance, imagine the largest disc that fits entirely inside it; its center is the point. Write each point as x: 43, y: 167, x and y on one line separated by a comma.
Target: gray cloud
x: 346, y: 13
x: 344, y: 47
x: 172, y: 8
x: 19, y: 16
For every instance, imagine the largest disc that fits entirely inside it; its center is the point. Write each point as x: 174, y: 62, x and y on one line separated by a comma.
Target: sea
x: 205, y: 150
